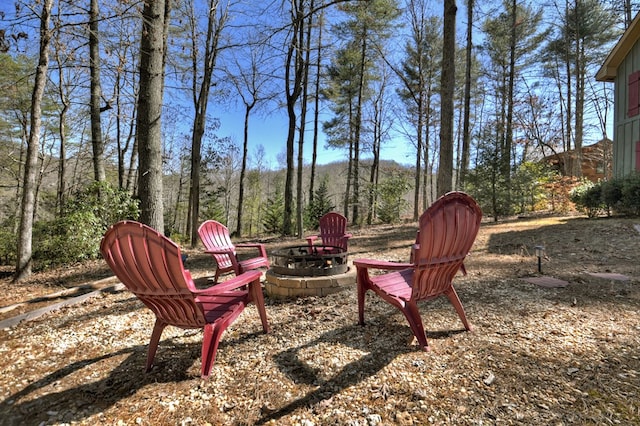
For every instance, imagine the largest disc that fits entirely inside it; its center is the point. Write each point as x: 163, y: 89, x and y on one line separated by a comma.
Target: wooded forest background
x: 108, y: 110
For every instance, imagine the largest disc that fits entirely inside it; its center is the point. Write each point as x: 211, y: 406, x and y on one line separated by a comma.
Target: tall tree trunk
x: 243, y: 169
x: 419, y: 136
x: 24, y: 251
x: 155, y: 17
x: 627, y: 13
x: 62, y: 133
x: 347, y: 191
x: 96, y: 94
x: 316, y: 112
x: 294, y: 64
x: 445, y: 166
x: 358, y: 129
x: 580, y: 71
x: 62, y: 157
x: 303, y: 120
x: 378, y: 106
x: 194, y: 187
x: 466, y: 136
x: 201, y: 101
x: 568, y: 117
x: 508, y: 139
x: 426, y: 181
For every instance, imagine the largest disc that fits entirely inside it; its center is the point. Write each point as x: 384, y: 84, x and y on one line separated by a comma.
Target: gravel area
x: 537, y: 355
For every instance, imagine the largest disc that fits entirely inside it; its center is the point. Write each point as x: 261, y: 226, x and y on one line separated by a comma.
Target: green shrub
x: 8, y: 242
x: 76, y: 234
x: 72, y: 238
x: 588, y: 198
x: 631, y: 194
x: 108, y: 203
x: 612, y: 195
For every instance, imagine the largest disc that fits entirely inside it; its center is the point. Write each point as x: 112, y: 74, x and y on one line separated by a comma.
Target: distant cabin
x: 622, y: 67
x: 596, y: 161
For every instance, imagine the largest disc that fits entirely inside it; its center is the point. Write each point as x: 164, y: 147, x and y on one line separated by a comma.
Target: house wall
x: 626, y: 132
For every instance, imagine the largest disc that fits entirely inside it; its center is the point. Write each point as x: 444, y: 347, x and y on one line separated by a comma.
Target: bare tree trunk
x: 215, y: 25
x: 96, y: 94
x: 358, y: 130
x: 316, y: 112
x: 419, y: 130
x: 24, y: 251
x: 378, y: 133
x: 568, y: 136
x: 508, y: 139
x: 445, y: 166
x: 303, y: 120
x: 466, y: 136
x: 627, y: 13
x: 125, y: 172
x: 62, y: 132
x: 580, y: 72
x: 243, y: 169
x: 155, y: 16
x: 425, y: 173
x: 347, y: 191
x: 294, y: 64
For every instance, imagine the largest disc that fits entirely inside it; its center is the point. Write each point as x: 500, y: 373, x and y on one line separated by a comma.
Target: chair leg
x: 361, y: 277
x: 210, y: 342
x: 412, y: 314
x: 256, y: 296
x: 457, y: 304
x: 153, y: 343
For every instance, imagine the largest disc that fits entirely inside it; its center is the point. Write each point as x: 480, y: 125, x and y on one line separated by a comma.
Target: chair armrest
x: 229, y: 251
x: 311, y: 238
x: 221, y: 250
x: 241, y: 280
x: 250, y: 245
x: 382, y: 264
x: 259, y: 246
x: 191, y: 285
x: 414, y: 248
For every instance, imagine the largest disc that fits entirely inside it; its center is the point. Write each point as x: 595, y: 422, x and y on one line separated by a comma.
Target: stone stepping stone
x: 609, y: 276
x: 547, y: 282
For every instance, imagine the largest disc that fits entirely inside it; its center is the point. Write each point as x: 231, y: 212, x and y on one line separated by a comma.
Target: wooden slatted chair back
x: 150, y: 266
x: 215, y: 236
x: 447, y: 230
x: 333, y: 230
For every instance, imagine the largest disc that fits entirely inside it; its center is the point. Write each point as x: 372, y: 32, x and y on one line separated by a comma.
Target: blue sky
x: 271, y: 132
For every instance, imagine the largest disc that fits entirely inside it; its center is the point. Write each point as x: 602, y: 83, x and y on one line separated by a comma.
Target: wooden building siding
x: 627, y: 128
x: 596, y: 160
x: 620, y: 67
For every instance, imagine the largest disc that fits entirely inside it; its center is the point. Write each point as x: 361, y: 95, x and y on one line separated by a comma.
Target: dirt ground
x: 566, y: 355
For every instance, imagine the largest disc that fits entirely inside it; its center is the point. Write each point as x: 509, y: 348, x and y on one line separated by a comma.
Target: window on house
x: 634, y: 94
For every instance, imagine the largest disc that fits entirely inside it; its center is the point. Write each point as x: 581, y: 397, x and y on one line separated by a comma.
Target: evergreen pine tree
x: 274, y: 212
x: 319, y: 206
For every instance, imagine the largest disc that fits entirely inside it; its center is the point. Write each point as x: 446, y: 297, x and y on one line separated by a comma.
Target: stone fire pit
x: 303, y: 271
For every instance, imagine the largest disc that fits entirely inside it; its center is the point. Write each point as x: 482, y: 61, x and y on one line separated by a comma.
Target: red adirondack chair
x: 150, y: 266
x: 333, y: 232
x: 447, y: 231
x: 217, y: 242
